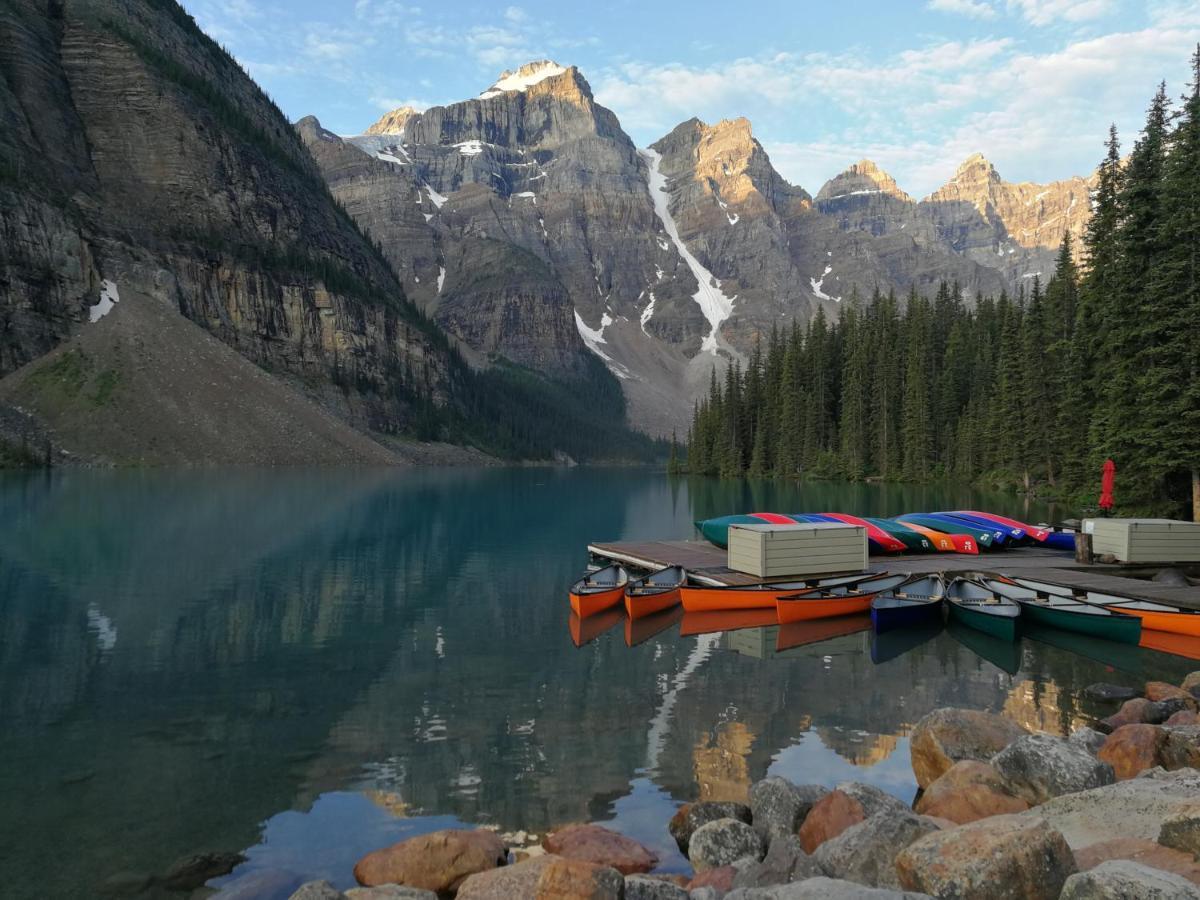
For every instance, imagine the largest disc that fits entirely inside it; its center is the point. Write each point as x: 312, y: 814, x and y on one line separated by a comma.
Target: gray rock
x: 704, y: 893
x: 1039, y: 767
x: 785, y: 862
x: 642, y: 887
x: 1089, y: 739
x: 1182, y: 748
x: 723, y: 842
x: 390, y: 892
x: 822, y: 888
x: 691, y: 816
x: 778, y: 807
x: 1181, y: 829
x: 317, y: 890
x: 866, y: 853
x: 1159, y: 711
x: 1122, y: 879
x: 1112, y: 692
x: 872, y: 799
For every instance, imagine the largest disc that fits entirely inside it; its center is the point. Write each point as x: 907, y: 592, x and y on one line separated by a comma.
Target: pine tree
x: 916, y: 428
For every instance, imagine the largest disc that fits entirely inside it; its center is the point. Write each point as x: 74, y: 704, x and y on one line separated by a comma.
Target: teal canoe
x: 1070, y: 614
x: 913, y: 542
x: 985, y: 539
x: 978, y: 607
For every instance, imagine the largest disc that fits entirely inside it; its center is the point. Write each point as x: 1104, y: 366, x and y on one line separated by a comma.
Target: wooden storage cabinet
x: 814, y: 548
x: 1145, y: 540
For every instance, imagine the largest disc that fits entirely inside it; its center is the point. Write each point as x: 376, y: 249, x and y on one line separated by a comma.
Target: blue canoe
x: 915, y: 601
x: 1016, y: 535
x: 998, y: 534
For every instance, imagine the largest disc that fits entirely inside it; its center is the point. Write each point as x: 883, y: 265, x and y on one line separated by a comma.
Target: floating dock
x: 705, y: 564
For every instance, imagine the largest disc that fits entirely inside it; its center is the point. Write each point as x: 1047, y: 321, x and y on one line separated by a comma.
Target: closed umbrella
x: 1106, y: 485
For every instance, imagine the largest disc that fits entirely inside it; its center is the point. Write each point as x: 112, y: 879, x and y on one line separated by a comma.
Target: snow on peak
x: 523, y: 78
x: 108, y: 298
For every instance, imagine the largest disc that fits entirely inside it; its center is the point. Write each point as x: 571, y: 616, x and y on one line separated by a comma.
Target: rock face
x: 1005, y: 856
x: 778, y: 807
x: 1124, y: 880
x: 1039, y: 767
x: 946, y: 736
x: 595, y: 844
x: 722, y: 843
x: 967, y: 791
x: 439, y: 861
x: 865, y: 853
x: 691, y: 816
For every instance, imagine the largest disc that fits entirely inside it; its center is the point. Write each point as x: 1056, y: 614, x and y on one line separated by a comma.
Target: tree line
x: 1033, y: 390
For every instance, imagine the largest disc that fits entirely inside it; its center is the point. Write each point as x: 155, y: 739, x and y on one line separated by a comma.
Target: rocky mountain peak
x: 310, y: 129
x: 393, y: 122
x: 864, y: 178
x: 525, y: 77
x: 976, y: 169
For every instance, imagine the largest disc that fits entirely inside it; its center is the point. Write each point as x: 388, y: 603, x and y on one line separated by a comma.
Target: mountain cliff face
x: 136, y: 153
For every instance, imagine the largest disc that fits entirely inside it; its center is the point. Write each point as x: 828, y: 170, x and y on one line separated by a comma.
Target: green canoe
x: 978, y: 607
x: 1070, y: 614
x: 913, y: 542
x: 983, y: 538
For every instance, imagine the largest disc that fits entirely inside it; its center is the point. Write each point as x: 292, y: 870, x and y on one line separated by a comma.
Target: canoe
x: 1157, y: 616
x: 598, y: 591
x: 715, y: 620
x: 913, y: 541
x: 888, y: 645
x: 814, y: 631
x: 916, y: 601
x: 1069, y: 613
x: 654, y: 592
x: 999, y: 536
x: 827, y: 602
x: 638, y: 630
x: 697, y: 598
x: 946, y: 543
x: 974, y: 605
x: 716, y: 531
x: 1002, y: 653
x: 879, y: 538
x: 585, y: 630
x: 1033, y: 531
x: 949, y: 526
x: 999, y: 531
x: 1060, y: 540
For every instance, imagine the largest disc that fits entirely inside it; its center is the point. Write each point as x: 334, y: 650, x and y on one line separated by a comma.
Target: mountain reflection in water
x: 306, y: 665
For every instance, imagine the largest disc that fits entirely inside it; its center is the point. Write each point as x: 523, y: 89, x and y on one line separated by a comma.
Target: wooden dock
x: 706, y: 565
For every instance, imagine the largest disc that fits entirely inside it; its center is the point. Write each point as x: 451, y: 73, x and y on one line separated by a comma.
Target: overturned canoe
x: 948, y: 526
x: 945, y: 543
x: 654, y: 592
x: 598, y: 591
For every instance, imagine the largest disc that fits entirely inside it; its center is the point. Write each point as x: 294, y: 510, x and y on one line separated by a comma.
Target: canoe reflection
x: 710, y: 621
x: 887, y: 645
x: 590, y: 628
x: 799, y: 634
x: 1168, y: 642
x: 1003, y: 654
x: 638, y: 630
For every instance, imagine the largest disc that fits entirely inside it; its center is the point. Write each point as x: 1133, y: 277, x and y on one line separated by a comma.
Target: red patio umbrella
x: 1106, y: 485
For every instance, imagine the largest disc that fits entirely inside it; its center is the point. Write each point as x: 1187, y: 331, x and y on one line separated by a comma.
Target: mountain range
x: 457, y: 272
x: 529, y: 226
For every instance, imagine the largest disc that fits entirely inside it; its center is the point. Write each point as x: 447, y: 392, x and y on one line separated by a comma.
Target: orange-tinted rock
x: 967, y: 791
x: 1132, y: 749
x: 1147, y: 853
x: 438, y: 861
x: 595, y: 844
x: 1160, y: 690
x: 1132, y: 712
x: 1004, y: 856
x: 1183, y: 717
x: 946, y: 736
x: 829, y: 817
x: 720, y: 878
x: 575, y: 879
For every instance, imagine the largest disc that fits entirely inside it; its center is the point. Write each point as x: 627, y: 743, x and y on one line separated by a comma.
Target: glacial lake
x: 303, y: 666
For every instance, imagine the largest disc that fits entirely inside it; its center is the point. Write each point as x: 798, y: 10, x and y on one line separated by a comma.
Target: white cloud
x: 387, y: 104
x: 974, y: 8
x: 1047, y: 12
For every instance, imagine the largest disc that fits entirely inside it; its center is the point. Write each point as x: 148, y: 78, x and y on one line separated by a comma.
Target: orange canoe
x: 654, y: 593
x: 1155, y: 616
x: 638, y: 630
x: 584, y: 630
x: 598, y: 591
x: 758, y: 596
x: 843, y: 600
x: 639, y: 605
x: 945, y: 543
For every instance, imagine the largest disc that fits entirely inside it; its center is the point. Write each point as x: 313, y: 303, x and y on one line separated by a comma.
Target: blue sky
x: 916, y: 86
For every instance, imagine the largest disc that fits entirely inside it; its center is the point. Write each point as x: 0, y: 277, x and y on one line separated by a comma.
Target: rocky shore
x: 1108, y: 812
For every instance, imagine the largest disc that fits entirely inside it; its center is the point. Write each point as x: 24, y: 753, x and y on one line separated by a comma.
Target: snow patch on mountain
x: 434, y: 197
x: 594, y: 337
x: 713, y: 302
x: 647, y: 313
x: 109, y: 297
x: 816, y: 284
x: 523, y: 78
x: 441, y: 277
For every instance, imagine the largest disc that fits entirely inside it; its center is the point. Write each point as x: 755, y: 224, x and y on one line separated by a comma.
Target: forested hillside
x: 1034, y: 390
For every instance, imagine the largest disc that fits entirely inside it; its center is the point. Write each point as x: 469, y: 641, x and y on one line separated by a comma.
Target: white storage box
x: 806, y: 548
x: 1145, y: 540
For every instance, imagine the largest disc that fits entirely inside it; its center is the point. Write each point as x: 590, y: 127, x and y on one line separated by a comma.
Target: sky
x: 916, y: 86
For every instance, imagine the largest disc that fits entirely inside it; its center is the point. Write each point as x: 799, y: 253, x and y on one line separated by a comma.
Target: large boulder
x: 1159, y: 711
x: 849, y: 804
x: 785, y: 862
x: 866, y: 853
x: 643, y: 887
x: 1089, y: 739
x: 1040, y: 767
x: 1183, y: 717
x: 1161, y: 690
x: 1000, y: 857
x: 822, y: 889
x: 946, y: 736
x: 723, y: 842
x: 1141, y: 851
x: 1126, y: 809
x: 576, y: 879
x: 1181, y: 829
x: 691, y: 816
x: 1112, y: 693
x: 778, y: 807
x: 1132, y: 712
x: 1191, y: 683
x: 1182, y: 748
x: 1125, y: 880
x: 439, y: 861
x: 1132, y: 749
x: 719, y: 879
x: 518, y: 880
x: 969, y: 790
x: 596, y: 844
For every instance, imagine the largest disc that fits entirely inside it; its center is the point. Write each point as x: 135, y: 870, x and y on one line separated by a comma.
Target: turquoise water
x: 303, y: 666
